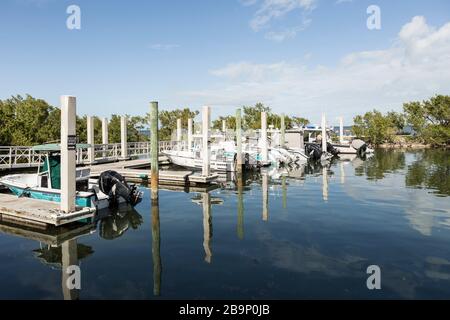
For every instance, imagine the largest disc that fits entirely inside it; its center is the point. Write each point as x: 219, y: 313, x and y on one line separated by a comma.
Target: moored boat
x: 109, y: 189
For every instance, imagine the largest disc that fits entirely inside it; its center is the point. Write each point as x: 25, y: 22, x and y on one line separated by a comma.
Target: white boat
x: 46, y: 184
x: 193, y: 160
x: 356, y: 146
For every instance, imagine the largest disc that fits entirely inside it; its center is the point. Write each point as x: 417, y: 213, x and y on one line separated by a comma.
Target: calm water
x: 304, y: 236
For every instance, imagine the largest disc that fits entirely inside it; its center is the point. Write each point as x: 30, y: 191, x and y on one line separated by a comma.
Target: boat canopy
x: 55, y: 147
x: 52, y: 166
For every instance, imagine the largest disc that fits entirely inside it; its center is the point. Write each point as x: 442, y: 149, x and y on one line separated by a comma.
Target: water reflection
x: 373, y: 219
x: 156, y: 248
x: 265, y: 195
x: 382, y: 162
x: 430, y: 170
x: 113, y: 224
x: 240, y: 205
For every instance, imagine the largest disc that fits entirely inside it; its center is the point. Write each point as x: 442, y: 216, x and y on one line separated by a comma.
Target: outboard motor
x: 114, y: 185
x: 314, y: 151
x: 332, y: 149
x: 360, y: 147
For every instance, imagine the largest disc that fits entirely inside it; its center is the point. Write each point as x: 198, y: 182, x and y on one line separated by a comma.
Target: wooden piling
x: 238, y: 140
x: 179, y: 133
x: 324, y: 133
x: 206, y: 119
x: 154, y: 150
x: 283, y: 131
x: 105, y: 136
x: 264, y: 151
x: 90, y: 139
x: 68, y: 150
x: 189, y: 138
x: 124, y: 137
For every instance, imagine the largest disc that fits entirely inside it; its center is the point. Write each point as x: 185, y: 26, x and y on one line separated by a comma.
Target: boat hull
x: 184, y: 160
x: 49, y: 196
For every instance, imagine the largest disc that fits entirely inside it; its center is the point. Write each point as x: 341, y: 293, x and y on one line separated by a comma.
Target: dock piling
x: 265, y: 156
x: 68, y: 150
x: 105, y: 136
x: 238, y: 140
x: 90, y: 139
x: 324, y: 133
x: 341, y: 130
x: 154, y: 150
x: 283, y: 131
x: 189, y: 134
x: 206, y: 119
x: 124, y: 137
x: 179, y: 134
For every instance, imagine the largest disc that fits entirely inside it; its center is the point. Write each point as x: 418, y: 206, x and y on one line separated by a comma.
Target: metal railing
x: 26, y: 157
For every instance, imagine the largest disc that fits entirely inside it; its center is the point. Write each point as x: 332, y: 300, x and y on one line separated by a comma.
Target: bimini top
x: 54, y: 147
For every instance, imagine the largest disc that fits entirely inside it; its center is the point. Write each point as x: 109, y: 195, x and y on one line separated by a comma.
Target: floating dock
x: 37, y: 212
x: 132, y: 172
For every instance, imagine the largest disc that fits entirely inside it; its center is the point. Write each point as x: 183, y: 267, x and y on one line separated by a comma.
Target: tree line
x: 427, y: 121
x: 29, y: 121
x: 26, y: 121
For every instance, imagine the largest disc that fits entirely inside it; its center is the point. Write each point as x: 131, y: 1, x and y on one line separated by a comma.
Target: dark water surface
x: 297, y: 237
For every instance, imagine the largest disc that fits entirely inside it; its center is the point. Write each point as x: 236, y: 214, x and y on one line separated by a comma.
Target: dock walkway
x: 132, y: 171
x: 39, y: 212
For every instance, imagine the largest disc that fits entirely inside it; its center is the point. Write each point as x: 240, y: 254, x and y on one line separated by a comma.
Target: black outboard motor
x: 313, y: 151
x: 332, y: 149
x: 114, y: 185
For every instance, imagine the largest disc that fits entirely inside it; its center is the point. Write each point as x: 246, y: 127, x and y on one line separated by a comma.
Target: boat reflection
x: 115, y: 222
x: 59, y: 247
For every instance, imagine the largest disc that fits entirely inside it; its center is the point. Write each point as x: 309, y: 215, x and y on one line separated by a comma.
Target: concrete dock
x: 37, y: 212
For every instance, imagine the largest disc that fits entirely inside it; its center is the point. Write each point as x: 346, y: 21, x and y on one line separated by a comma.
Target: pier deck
x: 39, y: 212
x: 132, y: 171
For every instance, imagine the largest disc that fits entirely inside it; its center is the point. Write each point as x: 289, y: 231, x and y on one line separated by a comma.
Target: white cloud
x: 414, y: 67
x: 271, y: 10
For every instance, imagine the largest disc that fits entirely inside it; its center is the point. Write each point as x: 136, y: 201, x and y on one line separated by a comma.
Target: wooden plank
x: 40, y: 211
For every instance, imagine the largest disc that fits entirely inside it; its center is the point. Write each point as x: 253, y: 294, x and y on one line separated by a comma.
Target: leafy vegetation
x: 29, y: 121
x: 429, y: 120
x: 168, y: 121
x: 252, y: 119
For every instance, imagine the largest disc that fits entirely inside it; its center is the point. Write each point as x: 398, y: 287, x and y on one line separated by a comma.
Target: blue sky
x: 302, y: 57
